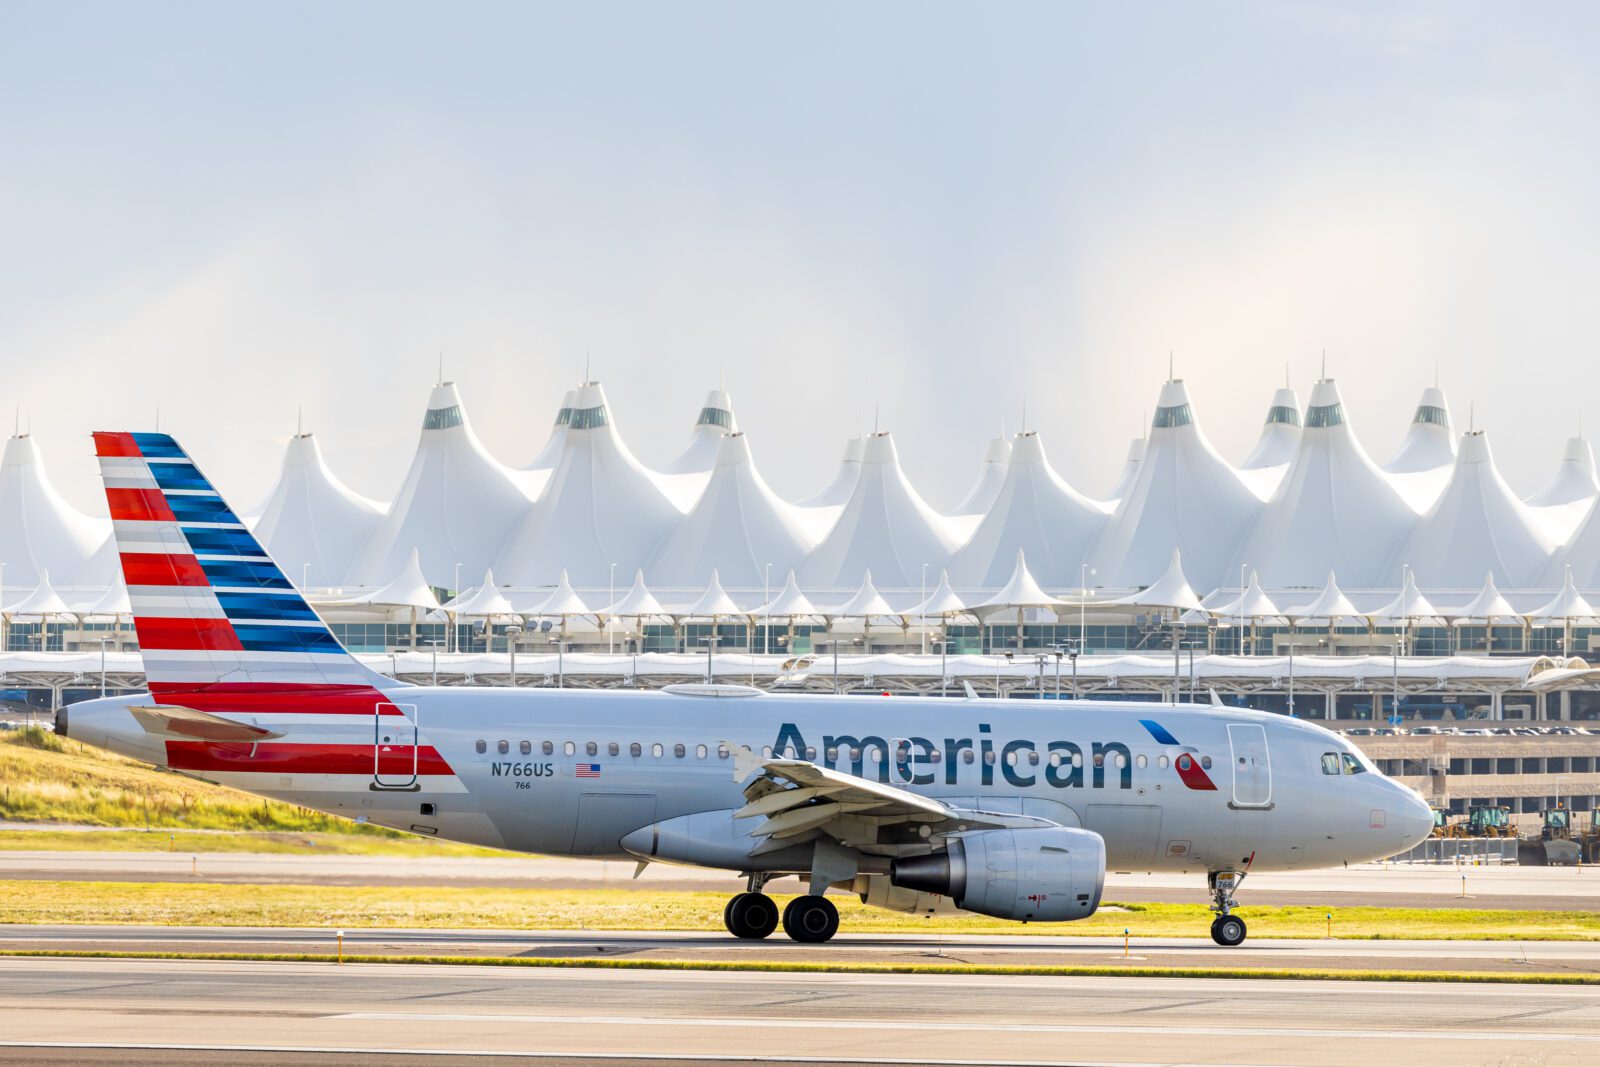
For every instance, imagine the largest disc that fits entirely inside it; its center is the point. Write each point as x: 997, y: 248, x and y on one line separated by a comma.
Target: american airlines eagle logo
x: 1186, y: 762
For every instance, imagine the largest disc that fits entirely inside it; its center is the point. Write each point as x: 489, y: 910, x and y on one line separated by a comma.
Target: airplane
x: 1008, y: 809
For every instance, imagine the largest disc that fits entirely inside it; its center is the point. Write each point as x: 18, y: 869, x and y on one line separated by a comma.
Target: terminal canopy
x: 1487, y: 606
x: 713, y: 604
x: 637, y: 603
x: 1566, y: 606
x: 1171, y: 590
x: 1331, y: 605
x: 1252, y: 603
x: 486, y: 600
x: 1410, y: 606
x: 790, y: 603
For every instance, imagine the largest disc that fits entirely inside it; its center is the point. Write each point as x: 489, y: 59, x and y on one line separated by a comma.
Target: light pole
x: 922, y: 616
x: 1177, y: 658
x: 711, y: 643
x: 610, y: 641
x: 1241, y: 608
x: 1291, y: 679
x: 944, y: 675
x: 451, y: 616
x: 1072, y: 654
x: 1083, y: 610
x: 1395, y: 711
x: 104, y: 641
x: 435, y: 642
x: 1058, y: 648
x: 512, y: 633
x: 766, y: 620
x: 561, y: 662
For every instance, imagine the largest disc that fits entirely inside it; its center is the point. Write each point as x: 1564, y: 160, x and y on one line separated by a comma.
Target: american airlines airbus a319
x: 1010, y: 809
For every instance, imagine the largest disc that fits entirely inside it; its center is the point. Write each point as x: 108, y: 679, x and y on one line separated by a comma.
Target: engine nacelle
x: 877, y: 891
x: 1032, y: 875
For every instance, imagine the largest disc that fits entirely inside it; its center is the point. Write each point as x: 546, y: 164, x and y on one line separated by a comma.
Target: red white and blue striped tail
x: 220, y: 626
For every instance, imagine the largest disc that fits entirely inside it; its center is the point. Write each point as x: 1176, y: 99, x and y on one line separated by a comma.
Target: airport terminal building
x: 1306, y: 578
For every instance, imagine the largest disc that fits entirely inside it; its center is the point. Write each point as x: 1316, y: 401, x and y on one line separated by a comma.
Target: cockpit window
x: 1330, y: 763
x: 1351, y: 764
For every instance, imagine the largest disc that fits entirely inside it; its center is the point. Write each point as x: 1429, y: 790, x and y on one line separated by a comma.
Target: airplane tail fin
x: 220, y: 627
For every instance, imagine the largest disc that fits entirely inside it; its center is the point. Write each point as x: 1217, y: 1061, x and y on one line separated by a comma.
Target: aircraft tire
x: 751, y: 916
x: 1228, y: 930
x: 810, y: 920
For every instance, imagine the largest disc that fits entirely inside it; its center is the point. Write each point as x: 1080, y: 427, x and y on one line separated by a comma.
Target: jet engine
x: 875, y: 891
x: 1043, y: 875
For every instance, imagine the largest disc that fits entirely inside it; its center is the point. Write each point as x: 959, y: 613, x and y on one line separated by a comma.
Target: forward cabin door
x: 395, y: 752
x: 1252, y: 770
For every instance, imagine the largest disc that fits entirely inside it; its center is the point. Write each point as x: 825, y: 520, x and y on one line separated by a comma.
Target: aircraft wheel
x: 751, y: 916
x: 811, y: 919
x: 1228, y: 930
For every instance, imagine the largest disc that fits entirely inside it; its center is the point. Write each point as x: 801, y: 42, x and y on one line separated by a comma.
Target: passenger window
x: 1161, y: 761
x: 1352, y: 765
x: 613, y: 748
x: 1121, y: 761
x: 1099, y: 759
x: 635, y: 749
x: 525, y: 747
x: 592, y: 749
x: 935, y: 756
x: 766, y: 751
x: 679, y: 751
x: 656, y: 750
x: 1205, y: 762
x: 1011, y: 759
x: 1330, y: 763
x: 966, y: 755
x: 833, y: 754
x: 481, y: 746
x: 1140, y: 761
x: 1033, y: 759
x: 855, y: 755
x: 502, y: 747
x: 988, y: 757
x: 699, y: 752
x: 569, y: 748
x: 811, y: 753
x: 722, y: 751
x: 548, y: 748
x: 1055, y: 759
x: 1077, y: 759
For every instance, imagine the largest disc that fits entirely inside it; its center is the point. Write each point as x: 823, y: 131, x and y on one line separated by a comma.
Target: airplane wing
x: 800, y: 800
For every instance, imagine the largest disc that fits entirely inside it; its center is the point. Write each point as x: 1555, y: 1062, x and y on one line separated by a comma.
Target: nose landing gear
x: 1227, y: 929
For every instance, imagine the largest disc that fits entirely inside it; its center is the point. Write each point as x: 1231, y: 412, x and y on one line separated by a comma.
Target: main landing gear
x: 1227, y: 929
x: 753, y: 915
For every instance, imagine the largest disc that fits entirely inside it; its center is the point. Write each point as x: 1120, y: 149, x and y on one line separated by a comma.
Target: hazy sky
x: 938, y: 212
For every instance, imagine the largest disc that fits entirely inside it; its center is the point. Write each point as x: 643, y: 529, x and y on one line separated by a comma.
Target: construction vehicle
x: 1554, y: 847
x: 1489, y: 821
x: 1441, y: 823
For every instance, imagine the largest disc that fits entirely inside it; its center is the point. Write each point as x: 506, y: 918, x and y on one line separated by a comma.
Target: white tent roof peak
x: 1333, y: 510
x: 837, y: 492
x: 1171, y: 590
x: 942, y: 601
x: 637, y: 603
x: 600, y: 507
x: 486, y: 600
x: 738, y: 524
x: 558, y: 434
x: 1251, y: 603
x: 1035, y: 512
x: 1431, y: 441
x: 884, y: 526
x: 562, y: 601
x: 44, y: 600
x: 1408, y: 606
x: 39, y: 530
x: 1184, y: 496
x: 990, y: 477
x: 1280, y: 434
x: 1331, y: 604
x: 312, y: 523
x: 1021, y: 590
x: 1477, y: 520
x: 1565, y: 606
x: 456, y: 506
x: 865, y: 604
x: 713, y: 603
x: 716, y: 418
x: 1574, y: 485
x: 1487, y: 605
x: 790, y: 603
x: 406, y: 589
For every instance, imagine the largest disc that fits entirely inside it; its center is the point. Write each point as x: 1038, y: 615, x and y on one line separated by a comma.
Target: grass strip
x: 782, y: 966
x: 466, y: 907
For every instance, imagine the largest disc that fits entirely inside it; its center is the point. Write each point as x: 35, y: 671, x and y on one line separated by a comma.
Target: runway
x: 1397, y: 885
x: 248, y: 1012
x: 1509, y: 957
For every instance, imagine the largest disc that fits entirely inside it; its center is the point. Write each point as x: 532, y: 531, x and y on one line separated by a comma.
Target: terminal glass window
x: 1284, y: 414
x: 1179, y: 415
x: 1435, y: 415
x: 716, y: 417
x: 1324, y: 415
x: 588, y: 418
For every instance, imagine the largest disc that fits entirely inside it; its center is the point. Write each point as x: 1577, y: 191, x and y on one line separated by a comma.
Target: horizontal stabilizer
x: 169, y: 721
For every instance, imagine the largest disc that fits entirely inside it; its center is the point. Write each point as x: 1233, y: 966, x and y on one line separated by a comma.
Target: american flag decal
x: 588, y: 770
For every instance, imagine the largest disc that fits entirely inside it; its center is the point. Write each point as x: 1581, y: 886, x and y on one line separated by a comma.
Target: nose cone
x: 1416, y: 819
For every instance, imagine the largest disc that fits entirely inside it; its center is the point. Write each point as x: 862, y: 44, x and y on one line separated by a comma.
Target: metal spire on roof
x: 300, y: 420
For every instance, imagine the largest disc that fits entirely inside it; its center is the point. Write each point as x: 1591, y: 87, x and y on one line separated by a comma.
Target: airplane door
x: 1252, y: 770
x: 394, y: 746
